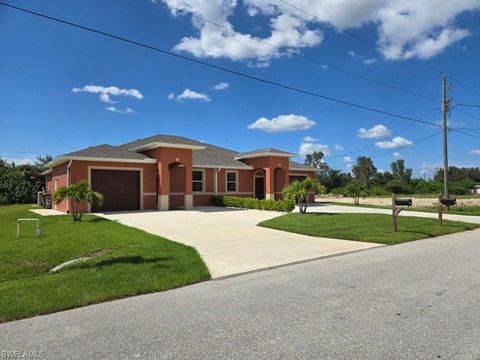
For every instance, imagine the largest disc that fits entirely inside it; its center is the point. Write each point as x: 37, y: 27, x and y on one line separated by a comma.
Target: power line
x: 404, y: 146
x: 464, y: 85
x: 462, y: 131
x: 309, y: 58
x: 434, y: 69
x: 224, y: 69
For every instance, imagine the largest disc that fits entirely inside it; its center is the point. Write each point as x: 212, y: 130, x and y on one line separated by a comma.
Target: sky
x: 63, y: 88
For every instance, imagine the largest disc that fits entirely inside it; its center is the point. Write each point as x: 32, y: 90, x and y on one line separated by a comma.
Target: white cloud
x: 406, y: 28
x: 114, y: 109
x: 363, y: 59
x: 282, y: 123
x: 105, y: 93
x: 309, y: 139
x: 308, y: 148
x: 348, y: 159
x: 397, y: 155
x: 338, y: 147
x: 288, y: 32
x: 376, y: 132
x: 474, y: 152
x: 396, y: 142
x: 221, y: 86
x: 188, y: 94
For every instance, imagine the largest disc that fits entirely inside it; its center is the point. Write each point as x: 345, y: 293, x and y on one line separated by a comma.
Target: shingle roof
x: 210, y: 156
x: 299, y: 166
x: 107, y: 151
x: 169, y: 139
x: 216, y: 156
x: 261, y: 151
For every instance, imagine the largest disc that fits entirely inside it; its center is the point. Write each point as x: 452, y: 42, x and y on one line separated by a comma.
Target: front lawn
x: 125, y: 262
x: 364, y: 227
x: 470, y: 210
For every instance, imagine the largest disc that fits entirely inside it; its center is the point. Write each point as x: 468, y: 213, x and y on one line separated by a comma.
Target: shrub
x: 356, y: 191
x: 253, y: 203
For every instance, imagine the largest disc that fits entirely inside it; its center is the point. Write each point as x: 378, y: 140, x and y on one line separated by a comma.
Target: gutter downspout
x: 215, y: 181
x: 68, y: 184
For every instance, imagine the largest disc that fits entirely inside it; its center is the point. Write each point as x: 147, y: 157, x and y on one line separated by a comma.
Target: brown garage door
x: 120, y: 188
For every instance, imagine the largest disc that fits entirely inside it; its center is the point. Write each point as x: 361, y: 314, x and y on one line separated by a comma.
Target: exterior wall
x: 59, y: 179
x: 244, y: 185
x: 79, y: 170
x: 167, y: 157
x: 269, y: 164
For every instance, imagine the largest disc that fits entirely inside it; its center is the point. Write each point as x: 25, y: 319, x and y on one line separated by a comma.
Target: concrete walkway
x: 341, y: 209
x: 229, y: 240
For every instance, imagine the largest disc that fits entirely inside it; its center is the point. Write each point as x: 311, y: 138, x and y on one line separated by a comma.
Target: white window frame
x: 236, y: 181
x: 202, y: 181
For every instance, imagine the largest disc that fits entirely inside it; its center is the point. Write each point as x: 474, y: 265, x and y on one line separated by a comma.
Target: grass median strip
x: 125, y: 262
x: 364, y: 227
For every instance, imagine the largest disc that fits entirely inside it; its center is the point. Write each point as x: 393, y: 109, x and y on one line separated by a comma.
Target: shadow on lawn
x: 132, y: 260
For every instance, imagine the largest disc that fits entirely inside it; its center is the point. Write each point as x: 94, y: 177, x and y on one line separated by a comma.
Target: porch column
x: 269, y: 184
x: 188, y: 187
x: 163, y: 186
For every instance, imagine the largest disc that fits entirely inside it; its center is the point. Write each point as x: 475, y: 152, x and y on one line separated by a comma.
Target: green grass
x: 364, y: 227
x: 454, y: 210
x: 126, y: 262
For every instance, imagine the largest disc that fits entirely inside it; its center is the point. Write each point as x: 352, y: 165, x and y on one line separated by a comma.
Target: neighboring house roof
x: 263, y: 152
x: 204, y: 155
x: 298, y: 166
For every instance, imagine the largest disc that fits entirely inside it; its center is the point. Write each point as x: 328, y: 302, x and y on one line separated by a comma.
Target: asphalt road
x: 418, y: 300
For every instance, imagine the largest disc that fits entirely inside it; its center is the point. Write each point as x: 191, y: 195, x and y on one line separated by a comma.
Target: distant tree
x: 399, y: 172
x: 458, y: 174
x: 364, y: 170
x: 314, y: 159
x: 355, y: 190
x: 299, y: 190
x: 81, y: 195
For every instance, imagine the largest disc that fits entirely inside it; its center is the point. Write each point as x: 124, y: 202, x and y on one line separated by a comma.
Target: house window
x: 231, y: 181
x: 197, y: 180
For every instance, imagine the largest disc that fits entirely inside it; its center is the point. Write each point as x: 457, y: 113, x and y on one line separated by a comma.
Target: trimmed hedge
x: 253, y: 203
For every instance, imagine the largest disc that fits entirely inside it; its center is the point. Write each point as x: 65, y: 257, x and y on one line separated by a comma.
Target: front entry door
x: 259, y: 188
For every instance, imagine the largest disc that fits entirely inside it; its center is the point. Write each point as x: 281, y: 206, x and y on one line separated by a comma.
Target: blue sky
x: 64, y: 89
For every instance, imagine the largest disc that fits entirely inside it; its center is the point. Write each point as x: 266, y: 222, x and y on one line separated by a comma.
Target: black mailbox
x: 449, y: 202
x: 403, y: 202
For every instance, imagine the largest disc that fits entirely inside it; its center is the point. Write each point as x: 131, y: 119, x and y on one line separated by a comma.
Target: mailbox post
x: 442, y: 203
x: 397, y: 206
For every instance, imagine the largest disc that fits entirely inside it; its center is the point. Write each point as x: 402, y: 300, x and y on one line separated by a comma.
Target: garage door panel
x: 120, y: 188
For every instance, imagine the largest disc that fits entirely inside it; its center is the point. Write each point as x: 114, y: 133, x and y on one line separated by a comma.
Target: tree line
x: 367, y: 179
x: 19, y: 184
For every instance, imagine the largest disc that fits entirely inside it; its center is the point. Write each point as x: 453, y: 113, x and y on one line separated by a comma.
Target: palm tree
x: 81, y: 195
x: 355, y: 190
x: 298, y: 191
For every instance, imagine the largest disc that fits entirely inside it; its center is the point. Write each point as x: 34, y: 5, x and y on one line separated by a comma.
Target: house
x: 172, y: 172
x: 476, y: 189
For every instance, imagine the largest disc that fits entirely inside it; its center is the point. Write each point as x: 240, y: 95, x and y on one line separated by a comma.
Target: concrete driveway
x: 229, y: 240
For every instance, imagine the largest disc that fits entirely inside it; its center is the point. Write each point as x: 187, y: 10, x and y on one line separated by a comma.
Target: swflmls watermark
x: 22, y: 354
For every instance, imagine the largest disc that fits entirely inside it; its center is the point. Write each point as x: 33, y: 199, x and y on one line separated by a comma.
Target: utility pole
x: 445, y: 109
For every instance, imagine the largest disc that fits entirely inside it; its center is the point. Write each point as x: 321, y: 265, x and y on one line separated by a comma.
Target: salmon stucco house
x: 172, y: 172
